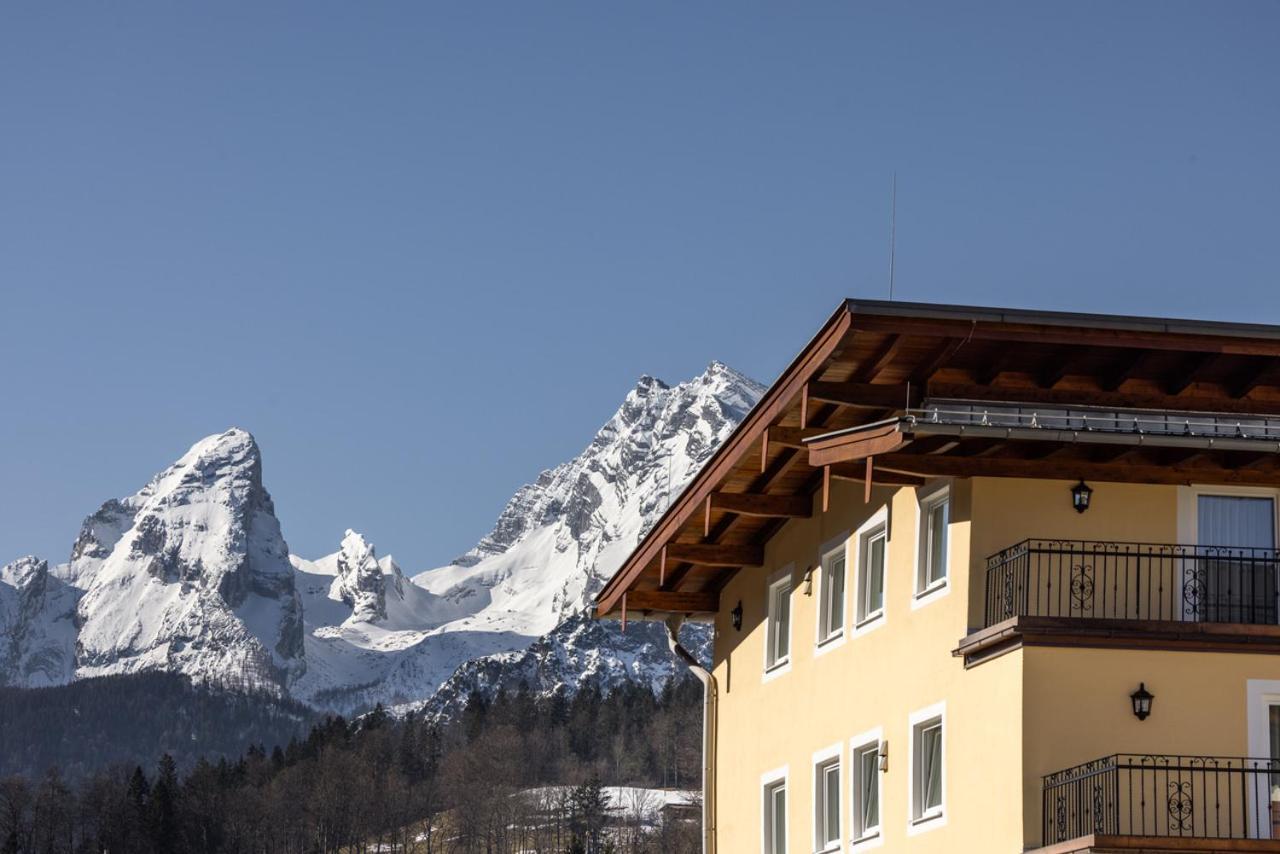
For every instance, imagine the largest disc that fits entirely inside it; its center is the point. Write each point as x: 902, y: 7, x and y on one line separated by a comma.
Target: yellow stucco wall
x: 872, y: 680
x: 1009, y: 721
x: 1077, y: 708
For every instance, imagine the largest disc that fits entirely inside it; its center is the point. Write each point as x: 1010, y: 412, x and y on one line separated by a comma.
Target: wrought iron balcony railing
x: 1196, y: 797
x: 1132, y: 581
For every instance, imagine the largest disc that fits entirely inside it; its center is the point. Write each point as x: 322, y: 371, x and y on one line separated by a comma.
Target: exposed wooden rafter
x: 677, y: 603
x: 716, y: 554
x: 755, y: 504
x: 1192, y: 371
x: 883, y: 357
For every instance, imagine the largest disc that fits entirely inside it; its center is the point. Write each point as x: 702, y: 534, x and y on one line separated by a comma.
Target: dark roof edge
x: 942, y: 311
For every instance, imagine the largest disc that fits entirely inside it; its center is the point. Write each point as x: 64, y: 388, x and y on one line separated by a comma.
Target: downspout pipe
x: 708, y: 681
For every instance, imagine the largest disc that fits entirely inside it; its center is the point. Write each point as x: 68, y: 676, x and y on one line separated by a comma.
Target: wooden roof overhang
x: 838, y: 410
x: 911, y: 446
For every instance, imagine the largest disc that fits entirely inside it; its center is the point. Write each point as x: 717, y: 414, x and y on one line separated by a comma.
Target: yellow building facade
x: 1032, y: 607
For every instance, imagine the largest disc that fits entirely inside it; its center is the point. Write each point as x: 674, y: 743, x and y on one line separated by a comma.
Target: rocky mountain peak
x: 359, y: 581
x: 191, y: 573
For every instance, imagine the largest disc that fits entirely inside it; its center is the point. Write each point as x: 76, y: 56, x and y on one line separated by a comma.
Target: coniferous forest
x: 512, y: 774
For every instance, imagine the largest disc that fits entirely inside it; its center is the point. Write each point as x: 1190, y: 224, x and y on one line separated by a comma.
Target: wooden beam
x: 804, y: 406
x: 1078, y: 397
x: 871, y: 467
x: 1060, y: 363
x: 857, y: 472
x: 676, y: 603
x: 826, y: 488
x: 936, y: 361
x: 865, y: 395
x: 940, y: 466
x: 876, y: 365
x: 1251, y: 377
x: 716, y: 554
x: 662, y: 568
x: 999, y: 362
x: 1123, y: 370
x: 1191, y: 371
x: 755, y: 504
x: 793, y: 437
x: 857, y: 445
x: 1164, y: 337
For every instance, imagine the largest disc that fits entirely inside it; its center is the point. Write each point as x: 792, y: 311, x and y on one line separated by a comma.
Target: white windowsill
x: 869, y: 624
x: 829, y: 643
x: 871, y: 839
x: 934, y: 591
x: 928, y: 822
x: 776, y: 669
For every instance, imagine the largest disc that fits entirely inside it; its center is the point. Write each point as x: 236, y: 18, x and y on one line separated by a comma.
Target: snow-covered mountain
x: 561, y: 538
x: 189, y: 575
x: 192, y: 575
x: 37, y: 625
x: 514, y: 607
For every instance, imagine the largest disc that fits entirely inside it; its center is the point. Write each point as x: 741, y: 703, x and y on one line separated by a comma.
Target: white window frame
x: 863, y: 622
x: 775, y: 667
x: 834, y: 548
x: 864, y: 838
x: 770, y: 781
x: 1260, y: 696
x: 822, y: 760
x: 1189, y: 507
x: 1189, y: 512
x: 927, y: 592
x: 918, y: 820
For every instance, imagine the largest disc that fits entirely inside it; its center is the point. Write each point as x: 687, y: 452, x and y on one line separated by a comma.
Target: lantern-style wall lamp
x: 1080, y: 495
x: 1141, y: 700
x: 736, y: 616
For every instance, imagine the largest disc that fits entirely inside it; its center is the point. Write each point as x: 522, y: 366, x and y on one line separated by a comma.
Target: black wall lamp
x: 736, y: 616
x: 1141, y: 700
x: 1080, y: 495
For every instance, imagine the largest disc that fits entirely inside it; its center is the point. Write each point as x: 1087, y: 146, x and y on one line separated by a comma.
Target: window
x: 826, y: 800
x: 873, y: 544
x: 866, y: 787
x: 927, y: 765
x: 831, y: 596
x: 775, y: 816
x: 935, y: 516
x: 778, y: 641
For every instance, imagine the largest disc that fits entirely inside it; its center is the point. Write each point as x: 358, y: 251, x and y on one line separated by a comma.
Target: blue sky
x: 423, y: 250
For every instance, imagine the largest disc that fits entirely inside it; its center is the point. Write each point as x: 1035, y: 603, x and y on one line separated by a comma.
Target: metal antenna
x: 893, y: 230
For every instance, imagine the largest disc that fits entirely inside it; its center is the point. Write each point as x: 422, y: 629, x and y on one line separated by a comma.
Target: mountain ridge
x: 192, y: 575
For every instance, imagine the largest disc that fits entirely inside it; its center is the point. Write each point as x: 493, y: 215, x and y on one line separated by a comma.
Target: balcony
x: 1112, y: 594
x: 1132, y: 581
x: 1149, y: 802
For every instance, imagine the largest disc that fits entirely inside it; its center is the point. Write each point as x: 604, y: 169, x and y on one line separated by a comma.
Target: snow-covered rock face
x: 561, y: 538
x: 190, y: 575
x: 359, y: 582
x: 515, y: 607
x: 37, y: 625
